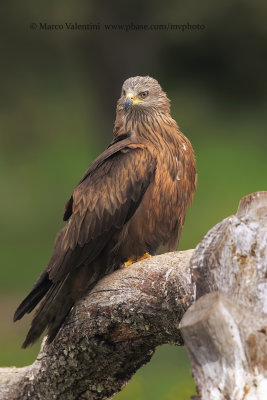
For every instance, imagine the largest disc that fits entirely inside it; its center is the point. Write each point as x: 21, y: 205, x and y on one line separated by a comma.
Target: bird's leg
x: 133, y: 260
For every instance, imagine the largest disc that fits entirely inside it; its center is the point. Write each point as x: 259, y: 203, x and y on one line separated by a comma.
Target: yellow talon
x: 132, y: 261
x: 128, y: 263
x: 146, y: 255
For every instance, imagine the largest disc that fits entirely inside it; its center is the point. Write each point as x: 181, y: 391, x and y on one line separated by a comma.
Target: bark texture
x: 109, y: 334
x: 115, y: 329
x: 225, y: 332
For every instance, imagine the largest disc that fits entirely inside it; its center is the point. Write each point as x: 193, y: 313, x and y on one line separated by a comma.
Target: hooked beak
x: 128, y: 101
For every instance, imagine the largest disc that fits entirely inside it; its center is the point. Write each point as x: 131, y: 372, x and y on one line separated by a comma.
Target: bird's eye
x: 143, y: 95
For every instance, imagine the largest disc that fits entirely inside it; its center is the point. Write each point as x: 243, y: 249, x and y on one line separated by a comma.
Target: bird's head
x: 143, y: 93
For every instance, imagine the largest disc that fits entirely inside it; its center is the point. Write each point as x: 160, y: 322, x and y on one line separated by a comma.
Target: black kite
x: 132, y: 199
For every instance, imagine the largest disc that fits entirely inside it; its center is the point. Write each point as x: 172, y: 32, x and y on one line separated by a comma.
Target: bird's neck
x: 154, y: 127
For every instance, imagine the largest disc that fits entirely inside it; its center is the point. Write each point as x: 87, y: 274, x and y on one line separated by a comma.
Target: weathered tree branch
x: 109, y: 334
x: 115, y: 329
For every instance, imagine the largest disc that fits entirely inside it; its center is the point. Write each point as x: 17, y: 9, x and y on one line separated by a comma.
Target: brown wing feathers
x: 101, y: 204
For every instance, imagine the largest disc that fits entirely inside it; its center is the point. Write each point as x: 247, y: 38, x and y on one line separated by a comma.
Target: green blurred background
x: 59, y: 91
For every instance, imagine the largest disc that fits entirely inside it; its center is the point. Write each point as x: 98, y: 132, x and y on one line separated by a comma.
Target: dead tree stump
x: 225, y: 331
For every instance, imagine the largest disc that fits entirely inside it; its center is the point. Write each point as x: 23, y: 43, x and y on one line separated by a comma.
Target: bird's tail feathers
x: 49, y: 314
x: 37, y: 293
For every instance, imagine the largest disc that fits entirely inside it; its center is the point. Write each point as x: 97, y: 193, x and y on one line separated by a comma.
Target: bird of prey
x: 131, y: 200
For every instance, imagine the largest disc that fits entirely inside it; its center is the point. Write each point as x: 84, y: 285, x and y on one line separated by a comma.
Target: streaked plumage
x: 132, y: 199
